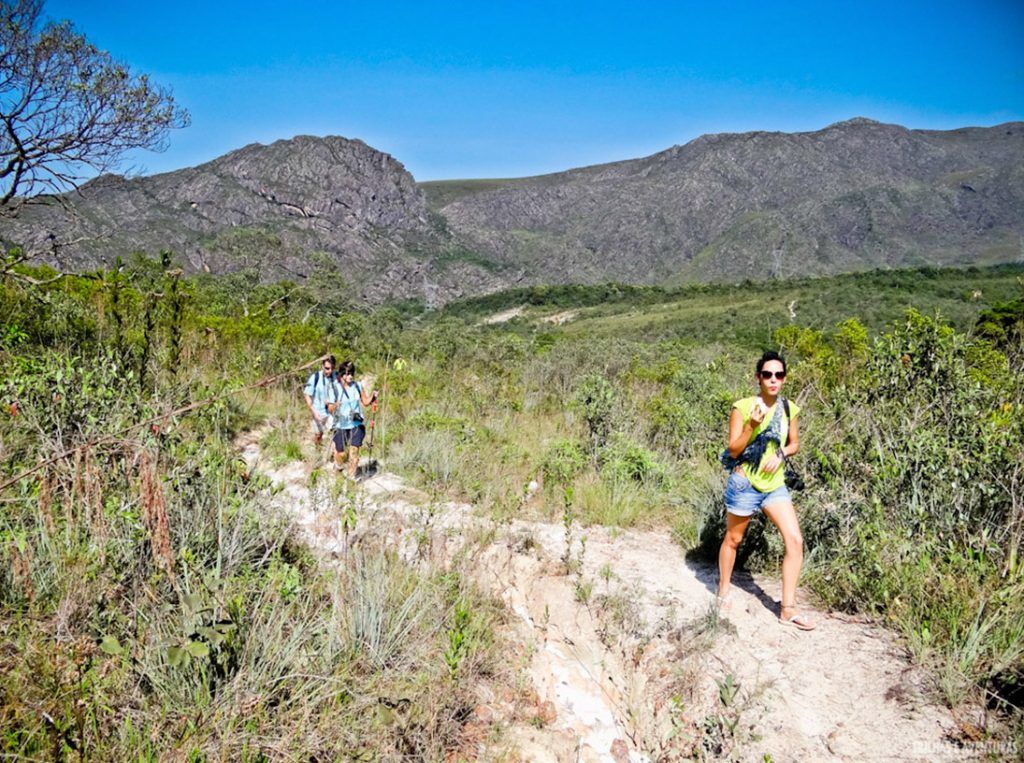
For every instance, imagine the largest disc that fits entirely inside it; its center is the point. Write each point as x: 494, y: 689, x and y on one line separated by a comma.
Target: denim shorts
x: 744, y: 500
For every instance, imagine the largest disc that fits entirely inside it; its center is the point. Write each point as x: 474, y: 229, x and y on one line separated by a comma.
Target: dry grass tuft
x: 154, y: 512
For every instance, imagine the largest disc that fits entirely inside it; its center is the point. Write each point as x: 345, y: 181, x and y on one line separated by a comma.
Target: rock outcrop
x: 281, y: 209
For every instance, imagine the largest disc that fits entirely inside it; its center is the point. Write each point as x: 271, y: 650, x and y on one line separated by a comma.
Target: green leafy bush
x: 1003, y: 323
x: 923, y: 468
x: 562, y: 461
x: 624, y: 460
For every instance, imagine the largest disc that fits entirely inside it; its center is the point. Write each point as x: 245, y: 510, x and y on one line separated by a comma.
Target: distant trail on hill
x: 625, y: 658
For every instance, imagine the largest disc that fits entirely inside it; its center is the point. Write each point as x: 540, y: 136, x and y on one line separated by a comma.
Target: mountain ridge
x: 855, y: 195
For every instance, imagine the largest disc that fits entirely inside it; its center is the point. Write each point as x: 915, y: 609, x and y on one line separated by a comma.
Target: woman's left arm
x: 793, y: 440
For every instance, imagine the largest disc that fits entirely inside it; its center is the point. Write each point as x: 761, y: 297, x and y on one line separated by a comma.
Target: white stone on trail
x: 383, y: 484
x: 608, y: 666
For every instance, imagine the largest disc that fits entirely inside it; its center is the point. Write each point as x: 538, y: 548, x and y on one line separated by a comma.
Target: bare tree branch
x: 67, y: 108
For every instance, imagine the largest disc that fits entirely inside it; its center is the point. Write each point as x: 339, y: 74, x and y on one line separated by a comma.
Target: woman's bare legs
x: 782, y: 514
x: 734, y: 528
x: 353, y: 461
x: 339, y: 457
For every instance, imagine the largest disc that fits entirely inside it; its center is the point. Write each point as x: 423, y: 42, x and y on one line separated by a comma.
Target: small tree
x: 598, y: 402
x: 67, y: 109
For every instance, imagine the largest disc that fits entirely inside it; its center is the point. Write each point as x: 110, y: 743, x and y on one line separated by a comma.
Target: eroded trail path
x: 626, y: 657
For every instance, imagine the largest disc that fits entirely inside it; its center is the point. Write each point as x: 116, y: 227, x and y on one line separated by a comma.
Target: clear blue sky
x: 509, y: 89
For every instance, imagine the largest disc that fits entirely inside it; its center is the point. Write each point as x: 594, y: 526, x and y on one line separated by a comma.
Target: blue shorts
x: 744, y: 500
x: 345, y: 438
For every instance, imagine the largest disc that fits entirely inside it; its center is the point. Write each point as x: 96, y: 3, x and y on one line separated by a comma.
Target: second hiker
x: 349, y: 423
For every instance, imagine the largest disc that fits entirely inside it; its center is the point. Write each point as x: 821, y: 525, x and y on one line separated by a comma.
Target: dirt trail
x: 624, y: 652
x: 515, y: 312
x: 504, y: 316
x: 559, y: 318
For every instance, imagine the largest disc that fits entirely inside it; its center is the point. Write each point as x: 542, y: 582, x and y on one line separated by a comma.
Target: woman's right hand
x: 756, y: 416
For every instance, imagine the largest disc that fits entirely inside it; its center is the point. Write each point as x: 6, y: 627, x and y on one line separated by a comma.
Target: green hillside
x: 747, y: 313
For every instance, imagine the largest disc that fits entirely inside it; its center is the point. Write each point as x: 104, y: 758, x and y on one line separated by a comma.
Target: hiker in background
x: 349, y: 423
x: 763, y: 432
x: 319, y: 391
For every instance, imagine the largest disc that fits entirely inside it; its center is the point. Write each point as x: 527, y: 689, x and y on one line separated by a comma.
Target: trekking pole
x: 383, y: 390
x: 327, y: 450
x: 373, y: 463
x: 373, y: 425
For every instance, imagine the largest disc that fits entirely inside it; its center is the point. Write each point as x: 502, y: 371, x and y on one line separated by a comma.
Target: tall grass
x: 153, y: 603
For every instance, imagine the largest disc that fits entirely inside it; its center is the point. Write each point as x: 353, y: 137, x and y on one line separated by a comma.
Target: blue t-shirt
x: 349, y: 407
x: 321, y: 389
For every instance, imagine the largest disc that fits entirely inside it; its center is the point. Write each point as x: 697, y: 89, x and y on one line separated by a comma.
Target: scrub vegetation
x: 152, y: 603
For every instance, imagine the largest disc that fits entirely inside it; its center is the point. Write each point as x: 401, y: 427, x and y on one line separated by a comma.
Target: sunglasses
x: 766, y: 375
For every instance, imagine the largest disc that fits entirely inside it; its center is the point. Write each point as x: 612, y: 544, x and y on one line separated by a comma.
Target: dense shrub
x: 624, y: 460
x: 917, y: 449
x: 562, y: 461
x: 1003, y: 323
x: 599, y: 405
x: 688, y: 409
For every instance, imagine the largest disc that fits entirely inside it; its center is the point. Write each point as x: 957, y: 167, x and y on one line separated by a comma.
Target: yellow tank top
x: 759, y: 478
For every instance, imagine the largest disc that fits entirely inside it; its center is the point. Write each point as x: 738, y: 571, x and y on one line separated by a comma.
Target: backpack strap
x: 358, y: 389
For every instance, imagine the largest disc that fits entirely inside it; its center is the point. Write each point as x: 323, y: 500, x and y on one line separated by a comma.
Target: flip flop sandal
x: 724, y: 603
x: 799, y: 622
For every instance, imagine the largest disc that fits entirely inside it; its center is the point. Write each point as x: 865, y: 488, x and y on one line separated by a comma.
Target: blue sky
x: 511, y: 89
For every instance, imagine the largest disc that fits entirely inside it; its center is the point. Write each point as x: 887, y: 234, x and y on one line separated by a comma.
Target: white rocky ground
x: 626, y: 657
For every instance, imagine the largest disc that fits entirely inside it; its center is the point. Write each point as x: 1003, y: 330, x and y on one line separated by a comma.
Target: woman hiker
x: 349, y: 425
x: 763, y: 432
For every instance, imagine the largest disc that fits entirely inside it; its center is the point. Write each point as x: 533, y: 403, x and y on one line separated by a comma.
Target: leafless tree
x: 68, y: 109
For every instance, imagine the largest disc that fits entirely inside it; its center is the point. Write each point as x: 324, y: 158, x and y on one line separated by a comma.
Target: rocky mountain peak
x: 856, y: 195
x: 856, y: 122
x: 277, y: 209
